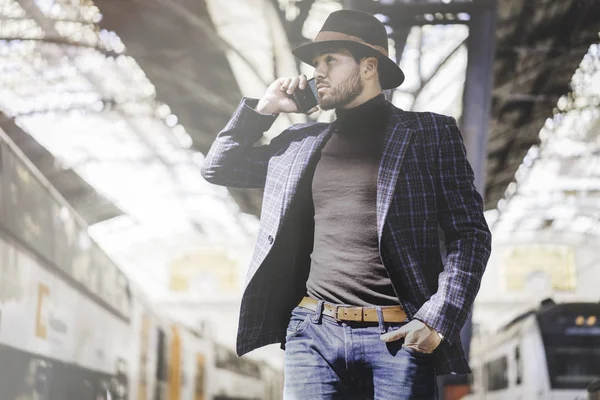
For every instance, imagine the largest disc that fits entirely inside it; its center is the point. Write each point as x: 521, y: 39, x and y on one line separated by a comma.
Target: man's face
x: 337, y: 75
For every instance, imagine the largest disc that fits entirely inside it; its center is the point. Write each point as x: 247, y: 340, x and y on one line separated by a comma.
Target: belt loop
x: 318, y: 312
x: 380, y: 319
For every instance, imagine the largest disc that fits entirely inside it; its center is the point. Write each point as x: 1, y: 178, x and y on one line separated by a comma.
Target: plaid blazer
x: 424, y: 182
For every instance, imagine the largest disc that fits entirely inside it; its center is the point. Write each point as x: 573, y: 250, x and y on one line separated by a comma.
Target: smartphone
x: 306, y: 98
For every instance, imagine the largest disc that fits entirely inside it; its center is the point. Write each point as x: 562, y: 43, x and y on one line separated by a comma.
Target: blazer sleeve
x: 233, y: 159
x: 468, y: 238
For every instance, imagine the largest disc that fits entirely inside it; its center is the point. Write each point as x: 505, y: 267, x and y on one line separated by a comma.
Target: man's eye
x: 329, y: 59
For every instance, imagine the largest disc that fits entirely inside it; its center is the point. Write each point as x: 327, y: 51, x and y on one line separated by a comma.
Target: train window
x: 10, y: 284
x: 30, y: 203
x: 83, y: 262
x: 496, y: 374
x: 93, y: 282
x: 573, y: 366
x: 103, y: 283
x: 65, y: 233
x: 571, y: 336
x: 161, y: 362
x: 519, y: 364
x: 123, y: 295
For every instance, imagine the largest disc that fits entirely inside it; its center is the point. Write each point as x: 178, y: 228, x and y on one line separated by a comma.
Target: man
x: 347, y: 271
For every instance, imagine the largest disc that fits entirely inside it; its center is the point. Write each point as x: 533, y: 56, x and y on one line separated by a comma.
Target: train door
x: 200, y: 376
x: 160, y: 390
x: 175, y: 362
x: 143, y: 361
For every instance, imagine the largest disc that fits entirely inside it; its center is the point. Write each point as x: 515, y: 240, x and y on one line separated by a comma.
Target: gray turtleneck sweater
x: 345, y: 264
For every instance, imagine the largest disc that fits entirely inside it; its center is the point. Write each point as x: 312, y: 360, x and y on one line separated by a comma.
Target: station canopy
x: 555, y: 195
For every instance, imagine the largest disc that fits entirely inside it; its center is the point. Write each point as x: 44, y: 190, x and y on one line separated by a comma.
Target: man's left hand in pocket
x: 417, y: 336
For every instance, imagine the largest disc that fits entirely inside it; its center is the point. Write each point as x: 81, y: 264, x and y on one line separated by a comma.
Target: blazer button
x: 270, y: 239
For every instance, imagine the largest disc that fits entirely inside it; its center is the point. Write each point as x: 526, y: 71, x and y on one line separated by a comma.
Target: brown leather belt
x: 356, y: 314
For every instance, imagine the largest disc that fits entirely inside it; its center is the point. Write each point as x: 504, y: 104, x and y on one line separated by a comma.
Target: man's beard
x: 344, y: 93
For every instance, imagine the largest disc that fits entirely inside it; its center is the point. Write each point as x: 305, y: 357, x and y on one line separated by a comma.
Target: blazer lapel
x: 396, y: 142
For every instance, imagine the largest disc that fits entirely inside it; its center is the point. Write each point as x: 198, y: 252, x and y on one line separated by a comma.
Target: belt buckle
x: 337, y: 313
x: 354, y: 316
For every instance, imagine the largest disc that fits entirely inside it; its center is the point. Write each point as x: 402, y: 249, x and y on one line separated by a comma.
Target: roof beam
x: 416, y: 8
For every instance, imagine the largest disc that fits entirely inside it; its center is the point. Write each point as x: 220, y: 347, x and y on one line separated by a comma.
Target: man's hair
x: 359, y: 53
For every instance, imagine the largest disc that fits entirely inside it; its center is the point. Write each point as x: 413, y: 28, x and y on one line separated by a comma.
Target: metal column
x: 477, y: 100
x: 477, y: 96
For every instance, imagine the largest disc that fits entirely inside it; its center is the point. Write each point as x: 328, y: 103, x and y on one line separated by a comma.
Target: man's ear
x: 369, y: 66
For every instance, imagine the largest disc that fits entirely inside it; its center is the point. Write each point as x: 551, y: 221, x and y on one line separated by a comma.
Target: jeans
x: 327, y: 359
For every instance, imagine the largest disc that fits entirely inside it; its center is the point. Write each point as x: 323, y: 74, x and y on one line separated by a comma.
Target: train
x: 551, y: 352
x: 73, y: 327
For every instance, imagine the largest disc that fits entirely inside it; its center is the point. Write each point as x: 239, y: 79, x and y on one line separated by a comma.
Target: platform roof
x: 555, y: 195
x: 539, y: 45
x: 130, y: 114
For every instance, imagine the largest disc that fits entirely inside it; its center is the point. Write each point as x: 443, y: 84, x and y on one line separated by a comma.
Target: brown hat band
x: 325, y: 36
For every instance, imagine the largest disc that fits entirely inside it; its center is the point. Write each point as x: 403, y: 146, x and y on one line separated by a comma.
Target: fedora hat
x: 355, y: 31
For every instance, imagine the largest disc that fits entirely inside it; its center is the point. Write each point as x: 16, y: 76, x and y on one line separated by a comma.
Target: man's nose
x: 319, y: 73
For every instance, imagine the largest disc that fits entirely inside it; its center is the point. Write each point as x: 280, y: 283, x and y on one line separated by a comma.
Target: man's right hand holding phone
x: 277, y: 98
